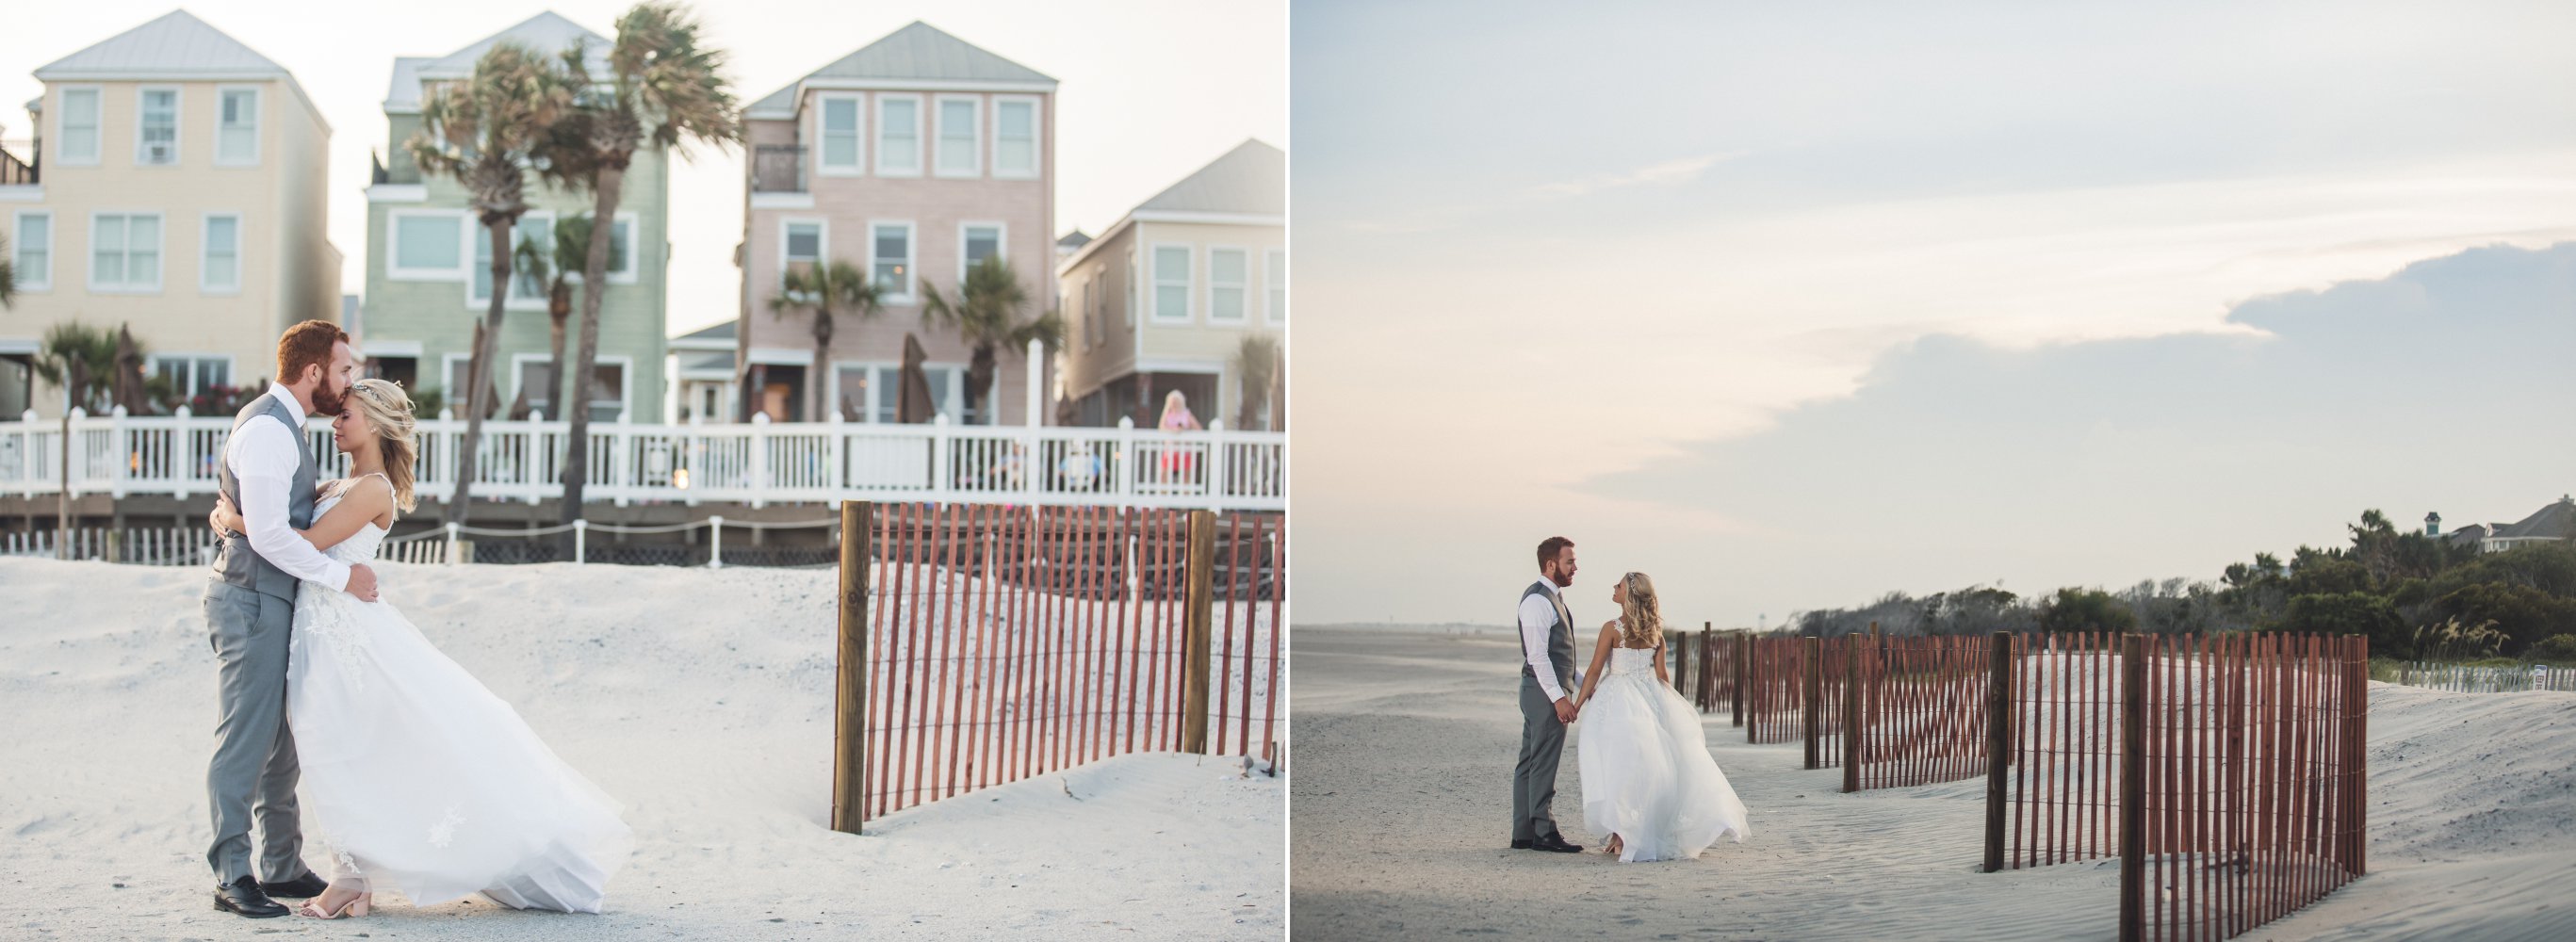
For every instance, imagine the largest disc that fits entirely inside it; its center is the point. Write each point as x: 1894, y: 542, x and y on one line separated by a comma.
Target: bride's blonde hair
x: 1641, y: 617
x: 388, y: 410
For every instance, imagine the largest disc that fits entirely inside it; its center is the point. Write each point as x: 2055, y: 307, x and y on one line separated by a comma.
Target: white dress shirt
x: 262, y: 455
x: 1538, y: 612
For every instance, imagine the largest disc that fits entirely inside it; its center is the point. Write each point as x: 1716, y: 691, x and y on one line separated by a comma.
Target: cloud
x: 1668, y: 173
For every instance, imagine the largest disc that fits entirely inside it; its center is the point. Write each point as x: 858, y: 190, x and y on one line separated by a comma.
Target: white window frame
x: 616, y: 276
x: 1037, y: 137
x: 1135, y: 282
x: 1100, y: 279
x: 822, y: 239
x: 447, y: 364
x: 178, y: 124
x: 1001, y: 244
x: 974, y: 141
x: 30, y: 280
x: 625, y: 383
x: 205, y: 252
x: 1274, y: 287
x: 259, y: 114
x: 519, y: 379
x: 1244, y: 286
x: 152, y: 367
x: 97, y: 129
x: 160, y: 253
x: 920, y: 145
x: 394, y: 270
x: 477, y: 237
x: 859, y: 148
x: 911, y: 260
x: 954, y: 396
x: 1188, y: 283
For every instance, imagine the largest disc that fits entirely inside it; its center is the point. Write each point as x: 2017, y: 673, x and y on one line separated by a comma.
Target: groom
x: 268, y: 471
x: 1548, y: 681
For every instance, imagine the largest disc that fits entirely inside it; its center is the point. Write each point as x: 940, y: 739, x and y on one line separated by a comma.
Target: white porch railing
x: 757, y: 463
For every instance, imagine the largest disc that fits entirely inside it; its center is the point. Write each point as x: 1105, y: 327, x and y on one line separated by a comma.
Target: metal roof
x: 721, y: 332
x: 918, y: 52
x: 2556, y: 521
x: 547, y: 33
x: 1252, y: 178
x: 177, y: 45
x: 404, y: 94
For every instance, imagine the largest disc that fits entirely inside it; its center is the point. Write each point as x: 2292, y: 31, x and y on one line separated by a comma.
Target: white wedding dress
x: 421, y: 780
x: 1647, y: 774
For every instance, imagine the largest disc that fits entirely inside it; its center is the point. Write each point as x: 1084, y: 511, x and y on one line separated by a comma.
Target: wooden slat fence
x: 2461, y: 678
x: 1923, y: 710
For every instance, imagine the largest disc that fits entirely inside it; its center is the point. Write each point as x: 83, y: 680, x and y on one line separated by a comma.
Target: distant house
x: 2547, y: 525
x: 911, y: 159
x: 176, y: 187
x: 1164, y: 299
x: 429, y: 261
x: 701, y: 371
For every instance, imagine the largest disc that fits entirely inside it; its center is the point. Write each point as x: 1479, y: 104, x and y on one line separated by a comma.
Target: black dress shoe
x: 1555, y: 843
x: 243, y: 897
x: 303, y: 887
x: 1520, y: 843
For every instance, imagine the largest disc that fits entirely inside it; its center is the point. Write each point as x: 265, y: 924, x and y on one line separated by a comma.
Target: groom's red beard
x: 326, y: 402
x: 1562, y: 579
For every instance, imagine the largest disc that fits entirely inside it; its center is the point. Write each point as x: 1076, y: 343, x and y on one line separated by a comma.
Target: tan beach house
x: 1164, y: 299
x: 176, y: 187
x: 910, y: 159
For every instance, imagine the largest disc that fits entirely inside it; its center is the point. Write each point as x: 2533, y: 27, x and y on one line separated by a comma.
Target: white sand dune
x: 1407, y: 739
x: 699, y: 698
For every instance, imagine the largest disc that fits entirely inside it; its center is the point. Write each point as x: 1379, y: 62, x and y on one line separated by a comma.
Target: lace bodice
x: 361, y: 546
x: 1632, y: 661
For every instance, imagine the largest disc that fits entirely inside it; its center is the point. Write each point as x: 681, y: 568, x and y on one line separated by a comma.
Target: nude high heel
x: 358, y: 905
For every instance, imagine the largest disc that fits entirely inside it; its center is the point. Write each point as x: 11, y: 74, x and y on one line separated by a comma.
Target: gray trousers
x: 253, y: 774
x: 1534, y: 779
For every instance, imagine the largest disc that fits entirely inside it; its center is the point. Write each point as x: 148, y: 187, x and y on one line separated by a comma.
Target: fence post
x: 1814, y: 700
x: 850, y: 697
x: 452, y: 558
x: 1681, y: 658
x: 1855, y: 723
x: 1216, y: 465
x: 2356, y: 738
x: 580, y: 540
x: 1998, y: 744
x: 759, y: 458
x: 1743, y: 673
x: 715, y: 542
x: 1194, y: 651
x: 2133, y: 787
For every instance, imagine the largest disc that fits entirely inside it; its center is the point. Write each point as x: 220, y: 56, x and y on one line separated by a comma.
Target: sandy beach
x: 701, y: 699
x: 1407, y: 738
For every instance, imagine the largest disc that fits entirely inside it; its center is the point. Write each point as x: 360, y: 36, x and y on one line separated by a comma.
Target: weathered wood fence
x: 983, y: 644
x: 2461, y: 678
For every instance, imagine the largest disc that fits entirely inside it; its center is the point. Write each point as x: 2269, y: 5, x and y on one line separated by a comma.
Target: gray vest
x: 235, y: 562
x: 1560, y: 639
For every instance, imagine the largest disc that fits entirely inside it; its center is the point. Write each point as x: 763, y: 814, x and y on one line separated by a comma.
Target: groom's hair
x: 1548, y: 548
x: 304, y: 345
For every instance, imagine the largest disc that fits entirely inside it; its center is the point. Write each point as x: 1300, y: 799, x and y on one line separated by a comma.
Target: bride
x: 1648, y: 780
x: 420, y: 779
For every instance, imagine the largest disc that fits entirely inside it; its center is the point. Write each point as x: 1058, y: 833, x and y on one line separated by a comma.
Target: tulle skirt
x: 1647, y: 774
x: 420, y: 780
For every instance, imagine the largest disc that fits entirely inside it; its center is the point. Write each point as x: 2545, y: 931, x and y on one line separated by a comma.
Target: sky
x: 1148, y: 91
x: 1792, y: 306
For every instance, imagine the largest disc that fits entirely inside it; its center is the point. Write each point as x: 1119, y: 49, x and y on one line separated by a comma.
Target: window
x: 976, y: 241
x: 1228, y: 272
x: 899, y: 135
x: 525, y: 287
x: 237, y: 127
x: 840, y: 133
x: 804, y: 242
x: 1015, y: 137
x: 80, y: 127
x: 945, y: 383
x: 191, y: 376
x: 1274, y: 279
x: 219, y: 268
x: 1134, y: 277
x: 1171, y: 282
x: 890, y: 257
x: 427, y: 246
x: 34, y: 245
x: 1090, y: 318
x: 537, y: 383
x: 459, y: 367
x: 621, y: 251
x: 958, y: 138
x: 156, y: 130
x: 125, y: 252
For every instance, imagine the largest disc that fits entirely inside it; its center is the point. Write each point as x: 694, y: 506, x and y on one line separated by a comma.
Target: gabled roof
x: 1071, y: 241
x: 1251, y: 179
x: 919, y: 52
x: 2556, y: 521
x: 547, y: 33
x: 176, y: 46
x: 722, y: 332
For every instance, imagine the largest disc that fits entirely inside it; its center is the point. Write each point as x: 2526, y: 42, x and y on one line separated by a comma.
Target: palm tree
x: 661, y: 85
x: 81, y: 361
x: 1257, y: 361
x: 555, y: 269
x: 825, y: 288
x: 986, y: 316
x: 485, y: 133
